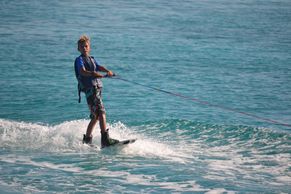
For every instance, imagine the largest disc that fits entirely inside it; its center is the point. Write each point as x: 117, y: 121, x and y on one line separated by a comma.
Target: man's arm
x: 86, y: 73
x: 103, y: 69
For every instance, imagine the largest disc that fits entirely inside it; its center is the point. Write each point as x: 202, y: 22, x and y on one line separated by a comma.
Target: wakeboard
x: 121, y: 143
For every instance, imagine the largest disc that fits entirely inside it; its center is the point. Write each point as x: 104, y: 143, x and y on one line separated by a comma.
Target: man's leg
x: 88, y: 137
x: 105, y: 139
x: 102, y: 122
x: 91, y: 126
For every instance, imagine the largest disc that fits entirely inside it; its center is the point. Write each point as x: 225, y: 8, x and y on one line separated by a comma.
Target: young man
x: 89, y: 81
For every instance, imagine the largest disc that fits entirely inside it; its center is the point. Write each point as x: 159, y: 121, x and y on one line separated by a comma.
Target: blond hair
x: 83, y: 39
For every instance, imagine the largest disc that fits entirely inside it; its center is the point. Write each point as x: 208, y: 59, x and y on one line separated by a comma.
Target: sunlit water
x: 231, y: 54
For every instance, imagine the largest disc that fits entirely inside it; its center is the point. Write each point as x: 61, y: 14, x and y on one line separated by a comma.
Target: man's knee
x: 94, y: 117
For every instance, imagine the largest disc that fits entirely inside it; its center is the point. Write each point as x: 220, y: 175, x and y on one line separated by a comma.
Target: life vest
x: 86, y: 83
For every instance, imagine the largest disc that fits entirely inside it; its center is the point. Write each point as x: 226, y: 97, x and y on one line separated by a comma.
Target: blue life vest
x: 86, y: 82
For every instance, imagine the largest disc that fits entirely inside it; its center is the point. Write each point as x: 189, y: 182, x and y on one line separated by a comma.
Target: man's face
x: 84, y: 48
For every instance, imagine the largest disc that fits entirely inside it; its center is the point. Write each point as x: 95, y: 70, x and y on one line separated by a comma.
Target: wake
x: 66, y: 137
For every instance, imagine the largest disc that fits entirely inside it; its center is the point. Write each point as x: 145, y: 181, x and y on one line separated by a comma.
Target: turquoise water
x: 232, y: 54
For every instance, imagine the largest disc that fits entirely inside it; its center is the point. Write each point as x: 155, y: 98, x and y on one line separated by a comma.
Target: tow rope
x: 205, y: 103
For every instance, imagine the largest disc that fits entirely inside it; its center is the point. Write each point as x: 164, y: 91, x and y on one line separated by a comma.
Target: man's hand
x: 110, y: 74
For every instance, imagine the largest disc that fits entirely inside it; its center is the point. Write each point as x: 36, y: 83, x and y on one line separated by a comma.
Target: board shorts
x: 94, y: 101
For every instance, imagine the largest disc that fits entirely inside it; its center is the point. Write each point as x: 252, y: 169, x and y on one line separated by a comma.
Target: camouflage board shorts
x: 94, y: 101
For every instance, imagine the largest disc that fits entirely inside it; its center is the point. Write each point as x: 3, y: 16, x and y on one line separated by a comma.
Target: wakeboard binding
x: 106, y: 141
x: 87, y: 140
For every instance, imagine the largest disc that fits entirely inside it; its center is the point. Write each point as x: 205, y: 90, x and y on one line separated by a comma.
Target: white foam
x: 146, y: 146
x: 67, y: 137
x: 25, y: 160
x: 219, y: 191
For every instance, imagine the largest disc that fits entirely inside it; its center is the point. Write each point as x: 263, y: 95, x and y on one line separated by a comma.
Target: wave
x: 229, y: 151
x: 67, y: 137
x: 236, y: 155
x: 39, y: 137
x: 172, y: 137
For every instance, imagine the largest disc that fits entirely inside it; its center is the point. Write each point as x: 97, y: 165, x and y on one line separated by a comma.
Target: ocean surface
x: 204, y: 85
